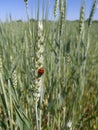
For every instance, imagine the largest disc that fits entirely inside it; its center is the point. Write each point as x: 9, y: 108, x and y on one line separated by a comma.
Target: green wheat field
x: 69, y: 84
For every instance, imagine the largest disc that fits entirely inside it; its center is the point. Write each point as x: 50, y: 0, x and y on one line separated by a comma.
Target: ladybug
x: 41, y: 71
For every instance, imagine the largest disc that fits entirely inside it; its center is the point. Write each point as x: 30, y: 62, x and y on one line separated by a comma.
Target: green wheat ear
x: 82, y: 17
x: 14, y: 74
x: 39, y: 62
x: 65, y: 8
x: 26, y: 2
x: 56, y: 7
x: 67, y: 56
x: 62, y: 15
x: 91, y: 14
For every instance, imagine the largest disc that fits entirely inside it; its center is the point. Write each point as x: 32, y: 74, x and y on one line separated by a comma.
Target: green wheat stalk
x: 89, y: 25
x: 3, y: 91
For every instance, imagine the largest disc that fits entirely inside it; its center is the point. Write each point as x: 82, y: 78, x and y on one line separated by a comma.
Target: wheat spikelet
x: 14, y: 74
x: 65, y: 8
x: 82, y: 17
x: 14, y: 78
x: 56, y: 8
x: 67, y: 55
x: 67, y: 58
x: 26, y: 2
x: 92, y: 14
x: 62, y: 16
x: 62, y: 13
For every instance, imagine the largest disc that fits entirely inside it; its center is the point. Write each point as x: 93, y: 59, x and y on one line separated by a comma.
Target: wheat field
x: 49, y: 72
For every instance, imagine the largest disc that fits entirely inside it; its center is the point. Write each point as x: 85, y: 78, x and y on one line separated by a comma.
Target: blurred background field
x: 70, y: 86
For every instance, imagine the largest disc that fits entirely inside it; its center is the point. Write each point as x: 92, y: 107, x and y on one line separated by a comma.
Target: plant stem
x: 36, y: 111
